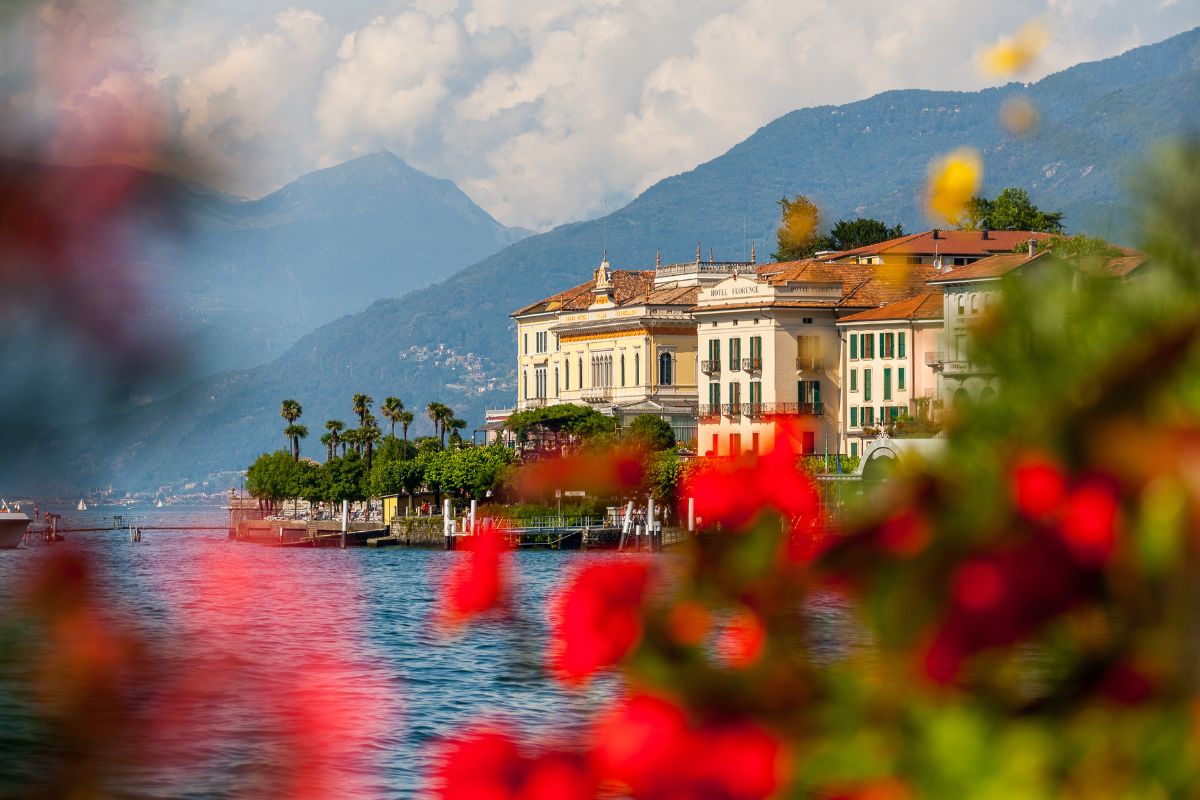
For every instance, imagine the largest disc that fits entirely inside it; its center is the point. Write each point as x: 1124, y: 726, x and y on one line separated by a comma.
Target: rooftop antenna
x: 743, y: 236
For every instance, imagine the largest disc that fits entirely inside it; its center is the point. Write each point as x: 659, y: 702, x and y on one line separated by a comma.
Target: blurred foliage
x: 651, y: 432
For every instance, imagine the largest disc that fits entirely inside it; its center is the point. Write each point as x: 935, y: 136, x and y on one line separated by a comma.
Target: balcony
x: 753, y: 410
x: 602, y: 394
x: 710, y: 367
x: 709, y: 413
x: 533, y: 402
x: 793, y: 409
x: 805, y: 364
x: 731, y: 409
x: 933, y: 358
x: 752, y: 364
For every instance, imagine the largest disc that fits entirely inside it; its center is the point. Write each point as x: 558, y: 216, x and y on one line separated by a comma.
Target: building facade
x: 889, y: 360
x: 770, y: 348
x: 623, y: 343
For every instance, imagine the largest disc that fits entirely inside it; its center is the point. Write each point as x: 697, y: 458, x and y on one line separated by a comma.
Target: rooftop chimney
x: 986, y: 230
x: 937, y: 234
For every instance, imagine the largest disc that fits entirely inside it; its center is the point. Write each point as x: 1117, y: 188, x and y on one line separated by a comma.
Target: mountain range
x: 453, y: 340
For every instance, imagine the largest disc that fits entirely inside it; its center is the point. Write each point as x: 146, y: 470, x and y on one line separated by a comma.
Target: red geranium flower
x: 1038, y: 486
x: 487, y: 765
x: 598, y: 618
x: 478, y: 582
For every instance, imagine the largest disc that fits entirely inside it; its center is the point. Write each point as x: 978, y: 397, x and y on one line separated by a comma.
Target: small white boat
x: 82, y: 505
x: 159, y: 504
x: 13, y: 525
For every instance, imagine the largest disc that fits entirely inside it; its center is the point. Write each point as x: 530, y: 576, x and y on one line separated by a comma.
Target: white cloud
x: 544, y: 109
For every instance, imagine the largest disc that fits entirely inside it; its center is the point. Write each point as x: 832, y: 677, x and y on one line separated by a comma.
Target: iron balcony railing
x: 710, y: 367
x: 796, y: 409
x: 731, y: 409
x: 752, y: 364
x: 709, y: 412
x: 752, y: 410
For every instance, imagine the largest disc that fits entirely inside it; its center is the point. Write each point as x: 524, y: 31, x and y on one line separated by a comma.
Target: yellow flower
x: 1015, y: 54
x: 953, y: 180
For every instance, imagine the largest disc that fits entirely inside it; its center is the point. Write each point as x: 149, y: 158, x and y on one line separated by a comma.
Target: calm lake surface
x: 338, y: 642
x: 265, y: 672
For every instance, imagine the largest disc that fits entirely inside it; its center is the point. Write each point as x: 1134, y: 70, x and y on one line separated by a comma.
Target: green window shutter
x: 854, y: 449
x: 854, y: 380
x: 816, y: 386
x: 854, y: 416
x: 902, y: 344
x: 887, y: 383
x: 900, y: 373
x: 867, y: 385
x: 854, y: 345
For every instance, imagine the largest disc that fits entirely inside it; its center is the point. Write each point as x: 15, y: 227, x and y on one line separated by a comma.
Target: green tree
x: 651, y: 432
x: 560, y: 424
x: 291, y: 411
x: 344, y: 479
x: 848, y: 234
x: 1012, y: 210
x: 269, y: 478
x: 797, y: 235
x: 362, y: 407
x: 391, y: 409
x: 470, y: 472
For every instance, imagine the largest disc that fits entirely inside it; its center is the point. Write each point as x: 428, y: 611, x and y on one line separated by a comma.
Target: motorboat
x: 13, y: 525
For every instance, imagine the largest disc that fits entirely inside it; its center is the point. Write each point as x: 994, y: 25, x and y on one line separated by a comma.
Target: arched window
x: 581, y: 372
x: 525, y: 384
x: 664, y: 369
x: 637, y: 369
x: 974, y: 303
x: 556, y: 381
x: 622, y: 369
x: 567, y: 375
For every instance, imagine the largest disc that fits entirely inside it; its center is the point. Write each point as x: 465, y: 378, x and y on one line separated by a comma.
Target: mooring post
x: 650, y: 524
x: 691, y: 515
x: 472, y: 525
x: 447, y: 524
x: 345, y: 520
x: 626, y: 524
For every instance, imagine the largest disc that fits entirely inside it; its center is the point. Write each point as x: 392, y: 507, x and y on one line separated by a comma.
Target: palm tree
x: 330, y: 441
x: 454, y: 425
x: 447, y: 414
x: 369, y: 434
x: 335, y: 428
x: 405, y: 418
x: 391, y: 409
x: 362, y: 407
x: 433, y: 410
x: 352, y: 437
x: 295, y: 433
x: 290, y: 410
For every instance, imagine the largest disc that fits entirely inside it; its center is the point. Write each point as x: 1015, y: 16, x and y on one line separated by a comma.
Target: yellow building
x: 623, y: 343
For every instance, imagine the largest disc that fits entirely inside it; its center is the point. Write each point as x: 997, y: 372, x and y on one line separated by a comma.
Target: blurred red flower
x: 598, y: 618
x: 646, y: 744
x: 743, y: 639
x: 1089, y: 522
x: 487, y: 765
x: 1038, y: 485
x: 478, y: 582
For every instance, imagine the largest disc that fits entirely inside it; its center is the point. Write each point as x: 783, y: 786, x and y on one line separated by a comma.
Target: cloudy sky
x: 541, y: 110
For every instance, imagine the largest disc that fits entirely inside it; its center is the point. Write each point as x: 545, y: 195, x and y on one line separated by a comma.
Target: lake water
x: 258, y: 668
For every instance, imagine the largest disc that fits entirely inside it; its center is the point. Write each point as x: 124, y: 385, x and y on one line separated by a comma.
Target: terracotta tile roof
x: 1123, y: 265
x: 927, y: 305
x: 947, y: 243
x: 629, y: 284
x: 863, y: 285
x: 991, y: 267
x: 670, y: 296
